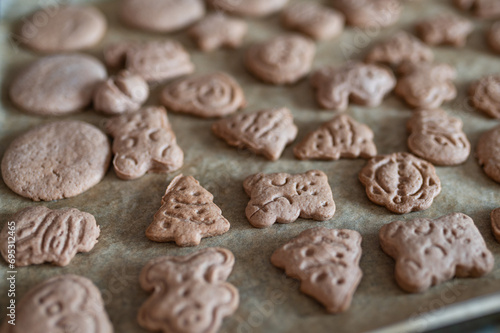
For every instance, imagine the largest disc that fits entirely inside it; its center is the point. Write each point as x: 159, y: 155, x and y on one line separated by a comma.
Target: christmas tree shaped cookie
x: 187, y: 214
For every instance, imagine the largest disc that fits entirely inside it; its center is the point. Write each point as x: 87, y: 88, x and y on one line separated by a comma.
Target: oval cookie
x: 485, y: 95
x: 56, y: 161
x: 488, y: 153
x: 369, y: 13
x: 254, y: 8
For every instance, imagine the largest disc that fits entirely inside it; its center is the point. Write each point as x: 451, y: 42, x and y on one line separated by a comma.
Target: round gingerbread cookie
x: 63, y: 28
x: 56, y: 161
x: 57, y: 84
x: 488, y: 153
x: 485, y: 95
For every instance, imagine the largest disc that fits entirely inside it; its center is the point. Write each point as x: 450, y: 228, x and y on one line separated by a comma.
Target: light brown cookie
x: 57, y: 84
x: 364, y: 84
x: 152, y: 60
x: 429, y: 252
x: 46, y: 235
x: 484, y: 95
x: 283, y: 59
x: 437, y: 137
x: 401, y: 182
x: 56, y: 160
x: 206, y: 96
x: 66, y: 28
x: 341, y: 137
x: 326, y: 262
x: 144, y: 142
x: 445, y: 29
x: 426, y: 85
x: 495, y: 223
x: 64, y: 303
x: 266, y: 132
x: 187, y: 214
x: 189, y: 293
x: 161, y: 15
x: 480, y: 8
x: 216, y: 30
x: 369, y: 13
x: 314, y: 20
x: 488, y: 153
x: 494, y: 37
x: 399, y: 48
x: 255, y: 8
x: 283, y: 198
x: 124, y: 92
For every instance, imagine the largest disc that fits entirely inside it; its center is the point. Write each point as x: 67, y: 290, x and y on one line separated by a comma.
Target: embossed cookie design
x: 400, y: 48
x: 144, y: 142
x: 401, y: 182
x: 367, y: 13
x: 46, y: 235
x: 480, y: 8
x: 495, y: 223
x: 364, y: 84
x: 189, y: 293
x: 437, y: 137
x: 493, y: 37
x: 64, y: 303
x: 217, y: 30
x: 205, y: 96
x: 283, y: 59
x: 445, y: 29
x: 266, y: 132
x: 187, y: 214
x: 326, y: 262
x: 341, y: 137
x: 255, y: 8
x: 488, y: 153
x: 283, y: 198
x: 485, y: 95
x: 429, y: 252
x: 426, y: 85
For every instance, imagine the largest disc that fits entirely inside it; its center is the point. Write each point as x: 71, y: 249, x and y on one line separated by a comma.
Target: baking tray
x: 270, y: 302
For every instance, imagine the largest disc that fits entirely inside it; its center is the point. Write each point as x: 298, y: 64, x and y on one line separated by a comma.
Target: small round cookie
x: 56, y: 161
x: 161, y: 15
x: 65, y: 28
x: 494, y: 37
x: 488, y: 153
x: 255, y: 8
x: 283, y: 59
x: 57, y: 84
x: 369, y: 13
x: 485, y: 95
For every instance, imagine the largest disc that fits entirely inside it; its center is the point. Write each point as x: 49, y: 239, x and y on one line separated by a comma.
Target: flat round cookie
x: 57, y: 84
x: 161, y: 15
x: 69, y: 28
x: 488, y: 153
x: 485, y: 95
x: 56, y: 161
x: 255, y: 8
x: 494, y: 37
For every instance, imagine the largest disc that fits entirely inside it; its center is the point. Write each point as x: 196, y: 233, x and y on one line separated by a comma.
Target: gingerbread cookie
x: 189, y: 293
x: 426, y: 85
x: 437, y: 137
x: 314, y: 20
x: 399, y: 48
x: 69, y: 28
x: 152, y: 60
x: 266, y: 132
x: 206, y: 96
x: 485, y: 95
x: 283, y: 198
x: 187, y: 214
x: 217, y: 30
x: 401, y: 182
x: 57, y: 160
x: 283, y: 59
x: 494, y: 37
x: 364, y: 84
x: 46, y: 235
x: 255, y: 8
x: 495, y: 223
x: 480, y: 8
x: 57, y: 84
x: 445, y: 29
x: 326, y: 262
x: 488, y: 153
x: 144, y: 142
x: 124, y: 92
x: 161, y: 15
x: 429, y: 252
x: 64, y: 303
x: 369, y: 13
x: 341, y: 137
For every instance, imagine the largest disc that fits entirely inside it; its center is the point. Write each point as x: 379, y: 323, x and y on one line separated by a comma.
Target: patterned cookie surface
x: 480, y: 8
x: 217, y: 30
x: 445, y: 29
x: 488, y: 153
x: 485, y: 95
x: 256, y: 8
x: 367, y: 13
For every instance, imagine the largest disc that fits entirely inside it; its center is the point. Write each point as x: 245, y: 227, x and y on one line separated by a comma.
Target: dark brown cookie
x: 495, y: 223
x: 255, y: 8
x: 401, y: 182
x: 488, y: 153
x: 429, y: 252
x: 438, y: 137
x: 341, y: 137
x: 326, y: 262
x: 217, y: 30
x: 369, y: 13
x: 480, y: 8
x: 485, y: 95
x: 187, y: 214
x: 445, y: 29
x: 283, y: 198
x: 494, y: 37
x: 189, y: 293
